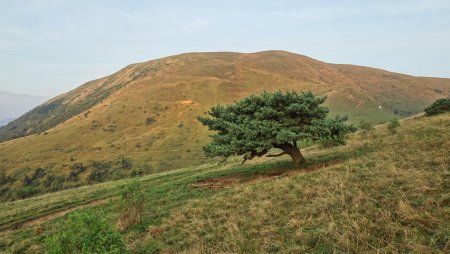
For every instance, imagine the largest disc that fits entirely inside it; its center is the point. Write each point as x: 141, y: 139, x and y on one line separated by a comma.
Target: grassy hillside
x: 145, y: 115
x: 382, y: 192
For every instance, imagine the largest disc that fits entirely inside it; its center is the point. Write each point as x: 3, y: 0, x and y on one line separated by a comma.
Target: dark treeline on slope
x: 28, y: 182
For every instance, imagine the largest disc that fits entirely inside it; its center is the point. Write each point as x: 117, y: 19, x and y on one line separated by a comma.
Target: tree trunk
x: 294, y: 152
x: 297, y: 156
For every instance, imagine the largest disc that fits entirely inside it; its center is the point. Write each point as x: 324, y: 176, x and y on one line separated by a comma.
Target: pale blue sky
x: 49, y: 47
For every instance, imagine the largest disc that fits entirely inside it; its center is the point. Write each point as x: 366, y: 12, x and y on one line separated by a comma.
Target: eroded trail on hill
x: 49, y: 216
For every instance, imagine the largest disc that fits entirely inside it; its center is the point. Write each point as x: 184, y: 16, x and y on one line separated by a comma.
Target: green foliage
x: 54, y: 182
x: 33, y: 179
x: 131, y: 206
x: 100, y: 170
x: 152, y: 247
x: 26, y: 191
x: 126, y: 163
x: 438, y: 107
x: 4, y: 179
x: 365, y: 127
x: 85, y: 232
x: 75, y: 171
x: 136, y: 172
x: 258, y: 123
x: 107, y: 170
x: 393, y: 125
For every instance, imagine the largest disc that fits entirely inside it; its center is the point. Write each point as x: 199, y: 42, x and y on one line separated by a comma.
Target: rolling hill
x: 144, y: 116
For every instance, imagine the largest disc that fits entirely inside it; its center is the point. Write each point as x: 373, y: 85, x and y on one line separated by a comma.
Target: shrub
x: 136, y: 172
x: 49, y: 180
x: 75, y: 171
x: 4, y: 179
x: 393, y: 125
x: 26, y: 191
x: 438, y: 107
x: 4, y: 190
x: 54, y: 182
x: 131, y: 206
x: 100, y: 171
x: 125, y: 163
x: 33, y: 179
x: 150, y: 120
x: 365, y: 127
x: 85, y: 232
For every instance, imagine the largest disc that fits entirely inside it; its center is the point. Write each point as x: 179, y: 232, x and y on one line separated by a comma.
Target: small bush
x: 365, y: 127
x: 75, y: 171
x: 54, y: 182
x: 100, y: 171
x: 150, y: 120
x: 393, y: 125
x: 131, y: 206
x: 125, y: 163
x: 4, y: 190
x: 33, y: 179
x: 136, y: 172
x: 26, y: 191
x: 85, y: 232
x: 438, y: 107
x: 4, y: 179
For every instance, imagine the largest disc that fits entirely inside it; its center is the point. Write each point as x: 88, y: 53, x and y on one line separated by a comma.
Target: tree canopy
x: 254, y: 125
x: 438, y: 107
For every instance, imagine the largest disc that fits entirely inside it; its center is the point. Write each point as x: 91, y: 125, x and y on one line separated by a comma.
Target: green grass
x: 382, y: 192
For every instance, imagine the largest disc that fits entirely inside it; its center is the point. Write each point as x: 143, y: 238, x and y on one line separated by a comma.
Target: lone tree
x: 254, y: 125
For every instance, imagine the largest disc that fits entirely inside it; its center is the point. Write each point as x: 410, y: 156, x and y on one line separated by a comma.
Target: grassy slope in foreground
x: 380, y: 193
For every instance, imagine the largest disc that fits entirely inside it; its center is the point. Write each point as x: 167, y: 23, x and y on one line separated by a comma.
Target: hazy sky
x: 49, y: 47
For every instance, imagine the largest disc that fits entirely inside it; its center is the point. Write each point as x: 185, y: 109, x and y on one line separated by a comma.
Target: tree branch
x: 253, y: 154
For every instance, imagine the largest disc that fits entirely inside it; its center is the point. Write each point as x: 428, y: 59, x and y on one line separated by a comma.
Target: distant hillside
x: 145, y: 114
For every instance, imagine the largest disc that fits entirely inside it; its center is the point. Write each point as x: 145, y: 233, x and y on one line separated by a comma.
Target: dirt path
x: 50, y: 216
